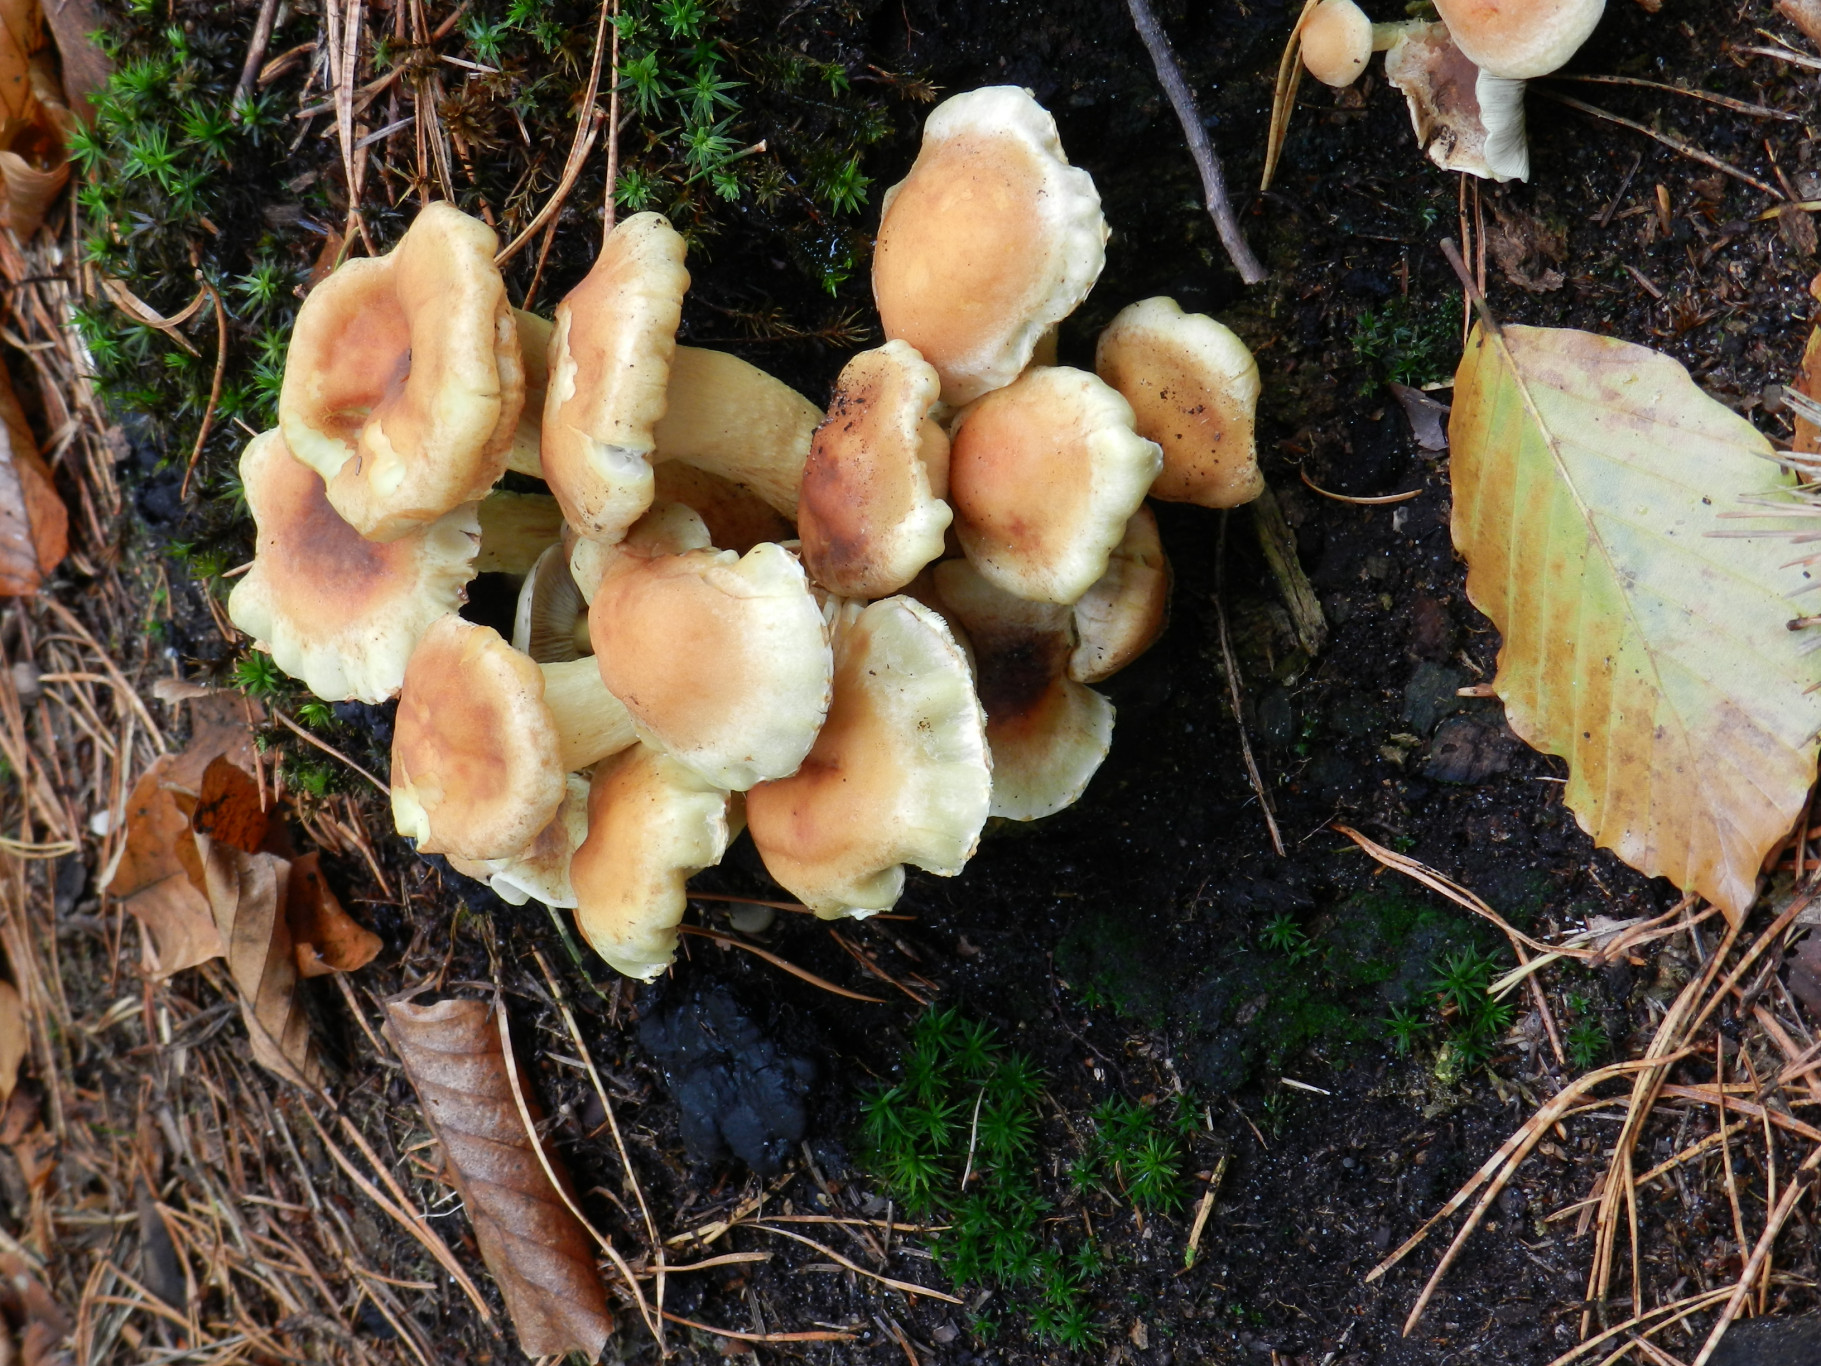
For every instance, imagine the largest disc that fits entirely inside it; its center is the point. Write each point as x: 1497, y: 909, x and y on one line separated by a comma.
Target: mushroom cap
x: 1193, y: 387
x: 651, y: 824
x: 1048, y: 733
x: 900, y: 773
x: 1043, y: 476
x: 871, y: 512
x: 1441, y: 87
x: 404, y: 380
x: 665, y: 529
x: 334, y: 609
x: 476, y: 759
x: 610, y: 357
x: 735, y: 517
x: 541, y: 869
x: 722, y: 659
x: 1337, y: 42
x: 551, y: 623
x: 1520, y: 39
x: 989, y: 240
x: 1122, y: 615
x: 732, y: 419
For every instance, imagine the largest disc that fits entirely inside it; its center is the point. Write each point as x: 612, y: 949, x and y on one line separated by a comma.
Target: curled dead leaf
x: 534, y: 1246
x: 33, y: 120
x: 34, y: 524
x: 325, y: 938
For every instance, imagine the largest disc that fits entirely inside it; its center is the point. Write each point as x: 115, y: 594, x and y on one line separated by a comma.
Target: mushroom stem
x: 591, y: 723
x: 515, y: 529
x: 1502, y: 113
x: 534, y: 346
x: 732, y: 419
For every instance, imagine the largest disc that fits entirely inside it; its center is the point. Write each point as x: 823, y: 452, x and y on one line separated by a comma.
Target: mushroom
x: 1338, y: 40
x: 610, y: 357
x: 736, y: 518
x: 334, y: 609
x: 484, y: 737
x: 1512, y: 44
x: 665, y: 529
x: 871, y: 513
x: 1048, y: 734
x: 551, y: 623
x: 516, y: 528
x: 1122, y: 615
x: 404, y: 381
x: 731, y: 419
x: 652, y: 822
x: 541, y: 869
x: 900, y: 773
x: 1043, y: 476
x: 524, y: 455
x: 991, y: 239
x: 723, y: 660
x: 1440, y: 86
x: 1193, y: 387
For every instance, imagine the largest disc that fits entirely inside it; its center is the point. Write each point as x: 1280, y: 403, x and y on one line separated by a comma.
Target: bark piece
x: 535, y: 1247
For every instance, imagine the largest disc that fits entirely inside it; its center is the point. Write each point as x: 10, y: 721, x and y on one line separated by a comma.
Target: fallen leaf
x: 1805, y: 15
x: 534, y: 1246
x: 1589, y: 477
x: 1523, y: 245
x: 15, y: 1042
x: 247, y: 893
x: 33, y: 119
x: 324, y: 937
x: 34, y: 524
x: 86, y: 67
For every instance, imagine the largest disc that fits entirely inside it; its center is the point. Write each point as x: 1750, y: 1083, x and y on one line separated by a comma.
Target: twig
x: 804, y: 973
x: 1773, y: 1225
x: 865, y: 960
x: 1675, y: 145
x: 1283, y: 100
x: 1756, y: 111
x: 613, y: 128
x: 1362, y: 500
x: 330, y: 750
x: 1213, y: 181
x: 1232, y: 670
x: 221, y: 365
x: 906, y: 1287
x: 256, y: 51
x: 1204, y: 1210
x: 818, y: 1335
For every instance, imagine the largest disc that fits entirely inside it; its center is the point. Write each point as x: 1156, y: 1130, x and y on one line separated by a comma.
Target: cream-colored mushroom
x: 1122, y: 615
x: 540, y: 871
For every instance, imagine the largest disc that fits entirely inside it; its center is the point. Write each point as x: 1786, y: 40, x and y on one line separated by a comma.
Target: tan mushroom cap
x: 1193, y: 387
x: 1520, y: 39
x: 1048, y: 733
x: 551, y: 623
x: 334, y: 609
x: 1122, y: 615
x: 991, y: 239
x: 610, y: 357
x: 899, y: 774
x: 541, y: 869
x: 732, y: 419
x: 651, y: 824
x: 665, y: 529
x: 1337, y: 42
x: 404, y: 382
x: 1043, y: 476
x: 723, y: 660
x: 872, y: 512
x: 484, y: 737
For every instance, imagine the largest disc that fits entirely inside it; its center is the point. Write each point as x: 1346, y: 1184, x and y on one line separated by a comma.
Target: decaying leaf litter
x: 1001, y: 903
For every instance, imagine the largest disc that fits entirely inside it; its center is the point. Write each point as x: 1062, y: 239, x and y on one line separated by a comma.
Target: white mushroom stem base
x: 1502, y: 113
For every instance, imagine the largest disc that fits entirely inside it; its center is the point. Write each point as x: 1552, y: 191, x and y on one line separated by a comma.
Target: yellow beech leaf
x: 1652, y: 655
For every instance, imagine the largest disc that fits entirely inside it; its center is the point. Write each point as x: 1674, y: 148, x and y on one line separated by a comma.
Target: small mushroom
x: 1043, y: 476
x: 484, y: 737
x: 1048, y: 734
x: 404, y: 382
x: 723, y: 660
x: 551, y: 623
x: 872, y: 512
x: 652, y: 822
x: 1512, y: 44
x: 900, y: 773
x: 1338, y: 40
x: 990, y: 240
x: 610, y: 357
x: 334, y: 609
x: 1122, y: 615
x: 541, y: 869
x: 1193, y: 387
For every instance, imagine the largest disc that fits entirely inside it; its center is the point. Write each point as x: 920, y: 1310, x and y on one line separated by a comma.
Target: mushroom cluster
x: 1464, y: 77
x: 854, y: 632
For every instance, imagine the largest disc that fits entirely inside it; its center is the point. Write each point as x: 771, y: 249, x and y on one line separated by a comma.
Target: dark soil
x: 1119, y: 943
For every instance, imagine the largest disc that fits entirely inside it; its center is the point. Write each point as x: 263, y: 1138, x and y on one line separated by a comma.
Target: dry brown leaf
x: 534, y: 1246
x: 15, y: 1042
x: 33, y: 119
x: 325, y: 937
x: 28, y: 1304
x: 34, y: 524
x: 1805, y: 15
x: 1592, y: 479
x: 86, y: 67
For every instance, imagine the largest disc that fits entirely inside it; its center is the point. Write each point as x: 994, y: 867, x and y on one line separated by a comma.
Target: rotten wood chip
x: 535, y: 1247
